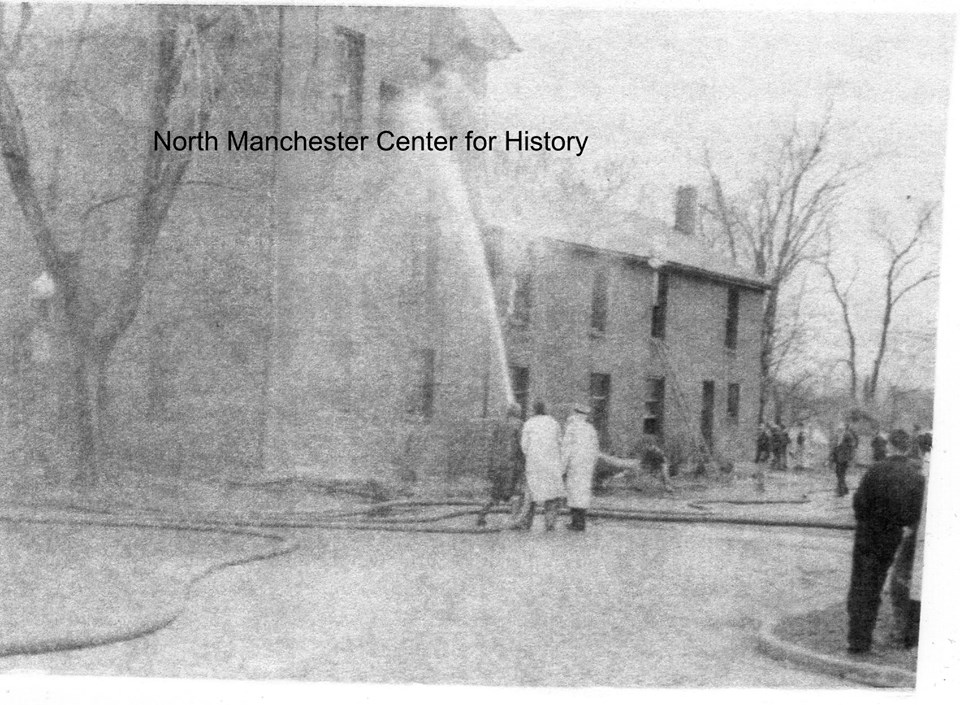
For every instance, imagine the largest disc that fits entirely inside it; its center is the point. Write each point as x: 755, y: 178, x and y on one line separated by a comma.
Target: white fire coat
x: 540, y: 441
x: 578, y: 457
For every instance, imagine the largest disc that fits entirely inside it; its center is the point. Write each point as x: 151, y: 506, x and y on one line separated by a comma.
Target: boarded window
x: 348, y: 79
x: 733, y: 318
x: 520, y: 381
x: 599, y: 300
x: 653, y: 406
x: 658, y: 319
x: 733, y: 402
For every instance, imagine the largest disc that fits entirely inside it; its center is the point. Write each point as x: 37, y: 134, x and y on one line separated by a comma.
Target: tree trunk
x: 767, y: 332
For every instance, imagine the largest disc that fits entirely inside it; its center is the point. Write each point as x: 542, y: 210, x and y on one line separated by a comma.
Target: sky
x: 658, y: 88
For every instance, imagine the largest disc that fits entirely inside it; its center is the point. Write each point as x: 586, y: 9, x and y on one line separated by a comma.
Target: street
x: 627, y: 604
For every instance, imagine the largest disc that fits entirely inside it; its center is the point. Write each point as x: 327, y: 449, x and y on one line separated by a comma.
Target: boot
x: 525, y: 522
x: 551, y: 509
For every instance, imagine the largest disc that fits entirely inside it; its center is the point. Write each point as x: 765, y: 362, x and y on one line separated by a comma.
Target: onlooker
x: 763, y: 445
x: 578, y: 456
x: 800, y: 456
x: 505, y: 465
x: 879, y: 447
x: 889, y: 498
x: 780, y: 441
x: 841, y: 456
x: 540, y: 440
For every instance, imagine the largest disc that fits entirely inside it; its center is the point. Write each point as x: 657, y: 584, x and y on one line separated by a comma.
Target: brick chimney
x: 686, y: 212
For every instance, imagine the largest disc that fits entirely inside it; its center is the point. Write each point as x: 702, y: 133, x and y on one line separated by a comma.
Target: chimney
x: 686, y: 213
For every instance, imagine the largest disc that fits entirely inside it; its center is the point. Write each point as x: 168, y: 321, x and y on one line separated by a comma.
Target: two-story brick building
x: 657, y: 330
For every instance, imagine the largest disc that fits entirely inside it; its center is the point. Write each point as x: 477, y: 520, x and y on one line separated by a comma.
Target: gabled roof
x: 647, y: 239
x: 484, y: 32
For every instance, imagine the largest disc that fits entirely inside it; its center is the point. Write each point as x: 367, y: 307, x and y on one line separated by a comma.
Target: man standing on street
x: 841, y: 456
x: 578, y: 456
x: 890, y: 497
x: 540, y: 441
x: 505, y: 465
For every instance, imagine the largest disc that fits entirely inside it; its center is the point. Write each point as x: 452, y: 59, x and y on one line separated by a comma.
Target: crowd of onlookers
x: 889, y: 506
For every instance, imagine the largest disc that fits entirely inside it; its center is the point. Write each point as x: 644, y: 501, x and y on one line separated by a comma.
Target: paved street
x: 627, y: 604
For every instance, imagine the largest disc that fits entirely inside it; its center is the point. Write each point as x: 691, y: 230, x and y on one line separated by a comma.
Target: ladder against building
x: 703, y: 456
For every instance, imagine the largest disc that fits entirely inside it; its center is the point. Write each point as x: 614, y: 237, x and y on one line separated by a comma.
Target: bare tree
x: 905, y: 272
x: 906, y: 269
x: 776, y: 223
x: 191, y: 51
x: 842, y: 296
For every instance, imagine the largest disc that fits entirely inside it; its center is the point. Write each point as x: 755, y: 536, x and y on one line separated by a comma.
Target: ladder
x: 702, y: 452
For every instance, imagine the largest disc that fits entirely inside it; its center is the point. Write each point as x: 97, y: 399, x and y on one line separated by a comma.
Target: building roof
x: 484, y: 31
x: 648, y: 239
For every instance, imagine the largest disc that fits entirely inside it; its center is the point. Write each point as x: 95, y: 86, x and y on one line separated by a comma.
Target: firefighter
x: 540, y: 440
x: 505, y: 466
x: 578, y: 457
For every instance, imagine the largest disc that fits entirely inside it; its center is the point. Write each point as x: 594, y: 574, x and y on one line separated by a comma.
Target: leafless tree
x: 778, y: 221
x: 841, y: 294
x: 190, y: 55
x: 906, y: 269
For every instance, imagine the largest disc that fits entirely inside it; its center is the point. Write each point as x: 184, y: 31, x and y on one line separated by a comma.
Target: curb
x: 866, y: 673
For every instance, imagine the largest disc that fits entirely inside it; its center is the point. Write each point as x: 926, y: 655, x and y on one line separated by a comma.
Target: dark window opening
x: 389, y: 98
x: 424, y: 395
x: 423, y: 262
x: 348, y: 79
x: 733, y: 402
x: 733, y: 318
x: 520, y: 382
x: 653, y: 406
x: 658, y: 321
x: 520, y: 306
x: 600, y: 406
x: 599, y: 300
x: 706, y: 413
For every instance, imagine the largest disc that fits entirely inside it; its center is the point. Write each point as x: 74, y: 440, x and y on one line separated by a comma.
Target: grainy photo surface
x: 457, y: 346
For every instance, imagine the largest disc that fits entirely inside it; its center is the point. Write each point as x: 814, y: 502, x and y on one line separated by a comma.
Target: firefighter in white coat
x: 540, y: 441
x: 578, y: 456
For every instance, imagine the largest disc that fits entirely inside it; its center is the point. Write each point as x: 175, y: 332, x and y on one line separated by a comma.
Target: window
x: 389, y: 97
x: 733, y: 318
x: 706, y: 413
x: 599, y: 300
x: 520, y: 306
x: 348, y: 79
x: 520, y: 382
x: 733, y: 403
x: 658, y: 319
x: 653, y: 406
x: 423, y: 397
x: 600, y: 406
x: 423, y: 264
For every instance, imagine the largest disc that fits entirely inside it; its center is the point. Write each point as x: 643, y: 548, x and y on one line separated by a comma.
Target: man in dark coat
x: 842, y: 455
x: 890, y: 497
x: 505, y: 468
x: 763, y: 445
x: 879, y: 447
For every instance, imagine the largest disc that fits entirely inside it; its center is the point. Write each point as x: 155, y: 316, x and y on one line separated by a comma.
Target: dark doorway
x: 600, y: 406
x: 706, y: 413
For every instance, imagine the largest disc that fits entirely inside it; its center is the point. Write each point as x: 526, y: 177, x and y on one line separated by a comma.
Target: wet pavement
x: 626, y: 604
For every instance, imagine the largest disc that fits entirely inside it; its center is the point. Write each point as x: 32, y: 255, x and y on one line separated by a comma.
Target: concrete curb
x: 866, y: 673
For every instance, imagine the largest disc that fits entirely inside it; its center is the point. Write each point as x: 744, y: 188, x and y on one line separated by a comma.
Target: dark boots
x: 578, y: 519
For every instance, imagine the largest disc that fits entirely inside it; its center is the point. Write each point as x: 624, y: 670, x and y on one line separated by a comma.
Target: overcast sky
x: 659, y: 87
